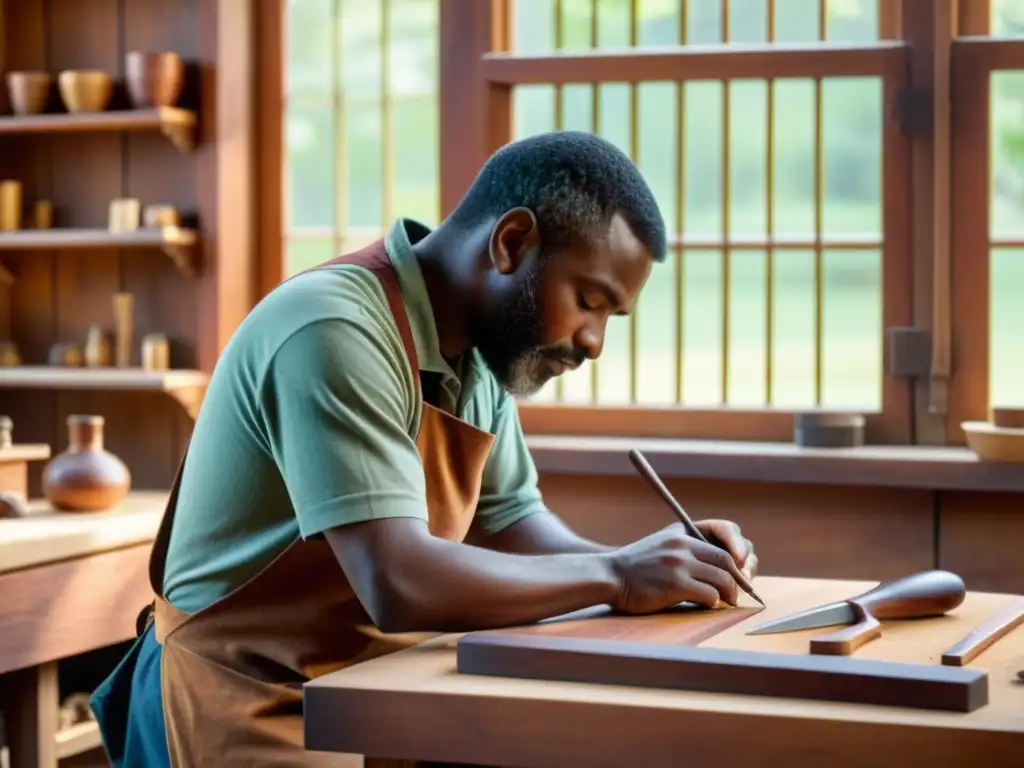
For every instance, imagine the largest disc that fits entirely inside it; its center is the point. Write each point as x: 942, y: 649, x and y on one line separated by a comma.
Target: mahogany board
x: 684, y: 624
x: 722, y: 670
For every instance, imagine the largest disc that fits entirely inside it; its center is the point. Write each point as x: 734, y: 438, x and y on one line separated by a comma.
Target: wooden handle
x: 928, y: 593
x: 843, y: 642
x: 977, y: 641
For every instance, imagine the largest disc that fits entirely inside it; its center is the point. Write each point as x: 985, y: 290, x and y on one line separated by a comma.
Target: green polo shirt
x: 310, y: 422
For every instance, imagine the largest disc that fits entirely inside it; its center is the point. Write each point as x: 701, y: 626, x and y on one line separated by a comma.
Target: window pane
x: 364, y: 169
x: 852, y: 329
x: 413, y: 54
x: 658, y: 23
x: 1007, y: 217
x: 361, y: 61
x: 417, y: 162
x: 852, y: 156
x: 1006, y: 383
x: 303, y: 254
x: 1007, y: 18
x: 793, y: 329
x: 310, y: 158
x: 311, y: 47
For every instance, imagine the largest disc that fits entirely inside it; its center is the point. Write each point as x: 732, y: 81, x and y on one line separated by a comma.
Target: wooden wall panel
x: 815, y: 531
x: 981, y: 537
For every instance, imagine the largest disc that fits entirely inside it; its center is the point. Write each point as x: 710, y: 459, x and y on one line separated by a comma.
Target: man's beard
x: 508, y: 340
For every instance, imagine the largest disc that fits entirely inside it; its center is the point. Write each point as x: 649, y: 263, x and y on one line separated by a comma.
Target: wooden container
x: 154, y: 79
x: 993, y: 443
x: 10, y: 205
x: 85, y: 477
x: 159, y: 215
x: 42, y: 214
x: 1004, y: 416
x: 85, y: 90
x: 828, y: 430
x: 97, y: 348
x: 28, y: 92
x: 156, y: 352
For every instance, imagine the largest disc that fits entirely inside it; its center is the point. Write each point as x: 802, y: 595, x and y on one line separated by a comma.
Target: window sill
x: 920, y: 467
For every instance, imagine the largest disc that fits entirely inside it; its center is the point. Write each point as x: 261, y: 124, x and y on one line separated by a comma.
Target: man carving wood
x: 358, y: 471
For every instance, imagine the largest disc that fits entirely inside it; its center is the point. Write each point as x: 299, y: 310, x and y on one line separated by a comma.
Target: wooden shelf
x: 177, y: 243
x: 46, y: 535
x: 187, y: 387
x: 78, y: 738
x: 178, y: 125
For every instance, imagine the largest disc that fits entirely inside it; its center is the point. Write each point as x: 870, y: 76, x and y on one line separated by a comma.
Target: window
x: 767, y: 130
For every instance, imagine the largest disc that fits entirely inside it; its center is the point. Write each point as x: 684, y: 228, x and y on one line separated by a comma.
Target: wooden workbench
x: 414, y: 706
x: 70, y: 583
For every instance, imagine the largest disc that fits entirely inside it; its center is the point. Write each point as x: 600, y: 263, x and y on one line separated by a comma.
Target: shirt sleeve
x: 336, y: 401
x: 509, y: 490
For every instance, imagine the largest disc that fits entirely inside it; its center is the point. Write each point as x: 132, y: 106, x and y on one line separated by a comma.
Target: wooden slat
x: 727, y: 423
x: 987, y: 53
x: 710, y: 62
x: 721, y: 670
x: 893, y: 466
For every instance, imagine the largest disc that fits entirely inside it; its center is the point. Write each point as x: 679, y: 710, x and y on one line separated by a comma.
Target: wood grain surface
x: 685, y: 624
x: 447, y: 716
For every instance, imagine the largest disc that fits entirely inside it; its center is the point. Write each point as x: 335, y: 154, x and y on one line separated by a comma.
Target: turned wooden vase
x: 85, y: 477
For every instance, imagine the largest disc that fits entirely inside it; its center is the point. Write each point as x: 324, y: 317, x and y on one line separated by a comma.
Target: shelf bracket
x: 189, y: 398
x: 183, y: 256
x: 181, y: 135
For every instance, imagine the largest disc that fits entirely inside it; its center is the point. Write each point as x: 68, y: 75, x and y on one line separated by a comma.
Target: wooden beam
x: 708, y: 62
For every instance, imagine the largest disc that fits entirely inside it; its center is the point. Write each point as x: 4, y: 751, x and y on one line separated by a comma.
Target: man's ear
x: 514, y: 237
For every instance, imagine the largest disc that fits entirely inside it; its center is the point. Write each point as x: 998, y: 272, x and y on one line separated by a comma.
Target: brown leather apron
x: 232, y: 673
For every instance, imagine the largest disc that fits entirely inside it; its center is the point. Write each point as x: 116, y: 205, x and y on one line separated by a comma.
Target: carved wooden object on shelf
x: 14, y: 460
x: 154, y: 79
x: 10, y: 205
x: 87, y: 90
x: 124, y: 307
x: 85, y: 477
x: 28, y: 92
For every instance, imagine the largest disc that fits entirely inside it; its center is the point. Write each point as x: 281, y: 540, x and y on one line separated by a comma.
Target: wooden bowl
x: 28, y: 92
x: 993, y: 443
x: 85, y: 90
x: 154, y: 79
x: 1004, y: 416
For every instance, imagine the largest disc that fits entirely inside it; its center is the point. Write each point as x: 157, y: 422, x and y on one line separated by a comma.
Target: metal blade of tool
x: 822, y: 616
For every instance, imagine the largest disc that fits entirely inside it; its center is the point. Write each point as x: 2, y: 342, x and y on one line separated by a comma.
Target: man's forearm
x: 542, y: 533
x: 431, y: 584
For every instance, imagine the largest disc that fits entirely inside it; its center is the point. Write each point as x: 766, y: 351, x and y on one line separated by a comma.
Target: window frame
x: 938, y: 175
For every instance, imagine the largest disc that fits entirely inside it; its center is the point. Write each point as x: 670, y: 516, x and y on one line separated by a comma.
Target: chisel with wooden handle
x: 920, y: 595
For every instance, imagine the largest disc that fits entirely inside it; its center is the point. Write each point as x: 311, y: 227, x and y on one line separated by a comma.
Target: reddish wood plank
x: 683, y: 625
x: 647, y: 665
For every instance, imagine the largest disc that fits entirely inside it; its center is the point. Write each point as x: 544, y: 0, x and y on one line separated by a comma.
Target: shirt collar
x: 399, y: 241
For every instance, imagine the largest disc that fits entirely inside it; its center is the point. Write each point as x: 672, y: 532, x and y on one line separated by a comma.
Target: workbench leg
x: 31, y: 715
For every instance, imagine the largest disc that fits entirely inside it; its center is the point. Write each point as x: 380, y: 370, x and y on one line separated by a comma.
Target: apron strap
x: 373, y: 257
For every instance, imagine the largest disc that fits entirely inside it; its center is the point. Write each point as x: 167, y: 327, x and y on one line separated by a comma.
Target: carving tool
x: 920, y: 595
x: 977, y: 641
x: 647, y: 472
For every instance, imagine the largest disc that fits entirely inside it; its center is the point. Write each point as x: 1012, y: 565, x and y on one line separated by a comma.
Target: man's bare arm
x: 409, y: 580
x: 542, y: 533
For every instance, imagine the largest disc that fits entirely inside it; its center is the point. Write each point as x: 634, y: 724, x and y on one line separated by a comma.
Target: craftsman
x: 358, y: 471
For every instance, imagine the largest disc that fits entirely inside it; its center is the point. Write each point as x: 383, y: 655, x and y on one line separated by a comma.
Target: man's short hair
x: 574, y: 182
